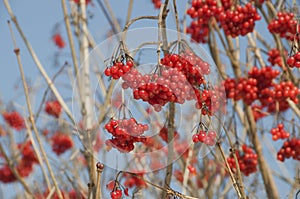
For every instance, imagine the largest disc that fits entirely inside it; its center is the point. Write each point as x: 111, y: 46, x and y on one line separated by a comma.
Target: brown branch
x: 32, y: 120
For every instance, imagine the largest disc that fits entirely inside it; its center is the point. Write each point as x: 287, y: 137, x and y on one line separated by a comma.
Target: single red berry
x: 117, y: 194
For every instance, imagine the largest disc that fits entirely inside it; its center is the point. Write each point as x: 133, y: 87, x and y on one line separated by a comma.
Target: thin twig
x: 38, y: 63
x: 32, y: 120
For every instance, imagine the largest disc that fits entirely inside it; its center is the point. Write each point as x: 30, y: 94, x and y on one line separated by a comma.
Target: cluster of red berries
x: 53, y: 108
x: 294, y: 60
x: 14, y: 119
x: 125, y: 133
x: 290, y: 149
x: 209, y: 101
x: 285, y: 25
x: 118, y: 69
x: 279, y: 93
x: 267, y: 92
x: 245, y: 89
x: 208, y: 138
x: 179, y: 78
x: 247, y: 160
x: 24, y: 165
x: 202, y: 12
x: 263, y: 76
x: 58, y: 40
x: 275, y: 57
x: 61, y: 142
x: 156, y: 3
x: 191, y: 65
x: 241, y: 21
x: 279, y: 133
x: 169, y: 86
x: 227, y: 4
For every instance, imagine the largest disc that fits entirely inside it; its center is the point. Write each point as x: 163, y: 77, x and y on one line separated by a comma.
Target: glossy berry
x: 118, y: 69
x: 125, y: 133
x: 290, y: 149
x: 247, y: 160
x: 294, y: 60
x: 208, y: 138
x: 100, y: 166
x: 156, y: 3
x: 279, y: 133
x: 117, y: 194
x: 274, y: 57
x: 240, y: 21
x: 285, y: 25
x: 58, y: 40
x: 202, y: 14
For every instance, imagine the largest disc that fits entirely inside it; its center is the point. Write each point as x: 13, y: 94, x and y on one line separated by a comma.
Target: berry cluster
x: 179, y: 78
x: 209, y: 101
x: 125, y: 133
x: 279, y: 93
x: 14, y: 119
x: 275, y: 57
x: 118, y: 69
x: 156, y: 3
x: 202, y: 13
x: 263, y: 76
x: 24, y: 166
x: 247, y: 160
x: 267, y: 92
x: 208, y: 138
x: 53, y: 108
x: 241, y: 21
x: 294, y: 60
x: 245, y: 89
x: 61, y: 142
x: 58, y: 40
x: 285, y: 25
x: 227, y: 4
x: 170, y: 86
x: 279, y: 133
x: 192, y: 66
x: 290, y: 149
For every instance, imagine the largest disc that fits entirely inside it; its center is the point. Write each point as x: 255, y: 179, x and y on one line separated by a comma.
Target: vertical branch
x: 70, y: 37
x: 269, y: 183
x: 86, y: 104
x: 32, y: 121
